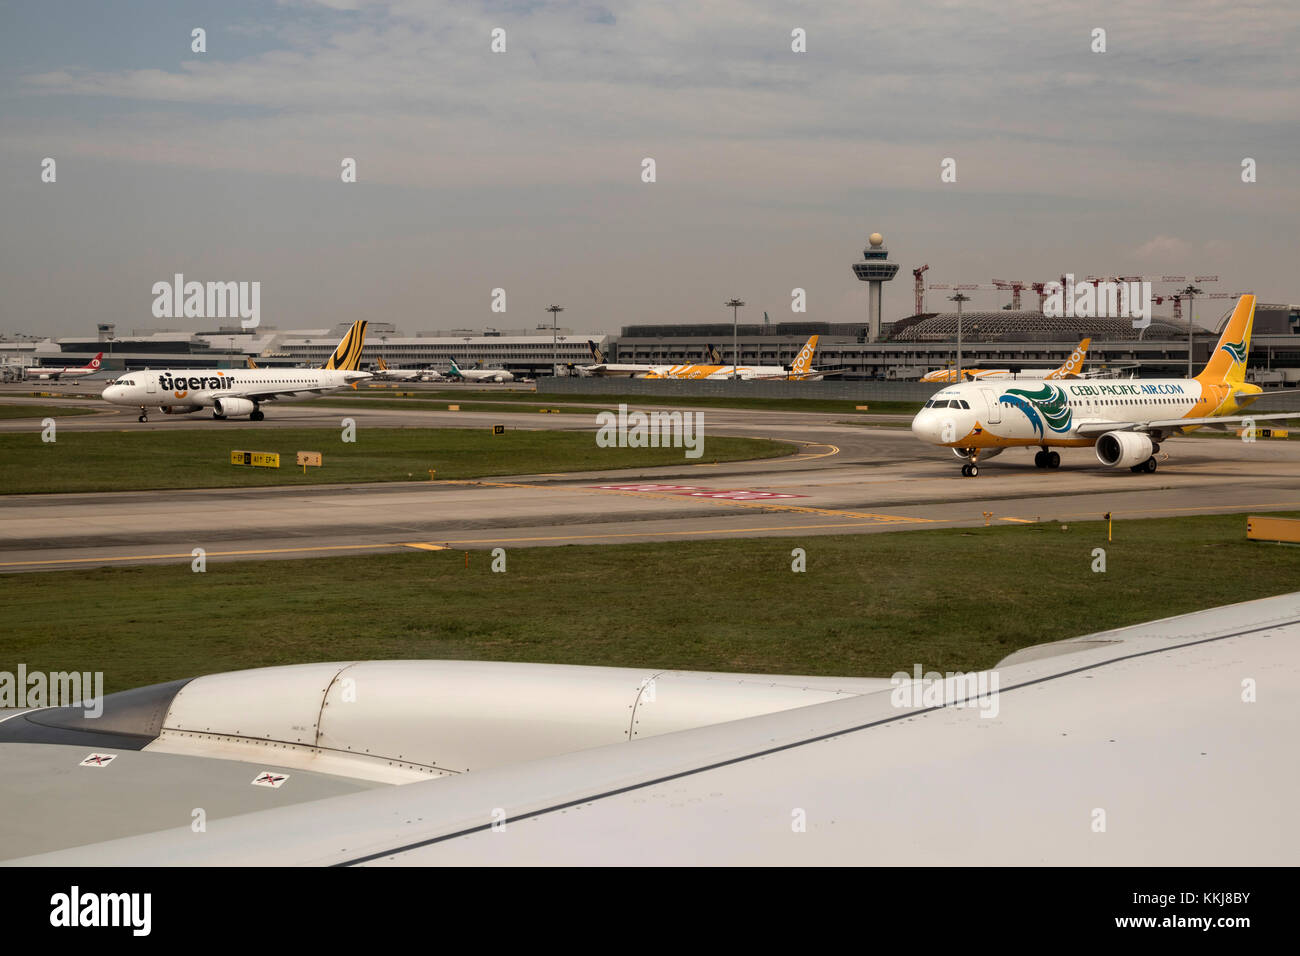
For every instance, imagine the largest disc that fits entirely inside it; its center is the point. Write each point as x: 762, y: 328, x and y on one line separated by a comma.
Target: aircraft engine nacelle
x: 985, y: 453
x: 225, y: 407
x: 1123, y: 449
x: 179, y: 409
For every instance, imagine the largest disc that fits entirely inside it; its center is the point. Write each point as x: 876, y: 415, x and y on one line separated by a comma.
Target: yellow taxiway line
x: 221, y: 554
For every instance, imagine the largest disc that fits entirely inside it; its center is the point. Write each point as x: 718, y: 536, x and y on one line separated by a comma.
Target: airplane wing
x: 1091, y: 429
x: 1144, y: 721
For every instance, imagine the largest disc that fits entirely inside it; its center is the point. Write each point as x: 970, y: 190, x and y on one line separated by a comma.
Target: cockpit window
x: 963, y: 404
x: 941, y: 403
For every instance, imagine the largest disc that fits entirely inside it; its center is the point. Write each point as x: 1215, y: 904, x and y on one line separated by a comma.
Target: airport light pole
x: 555, y: 311
x: 734, y: 305
x: 959, y: 298
x: 1190, y: 294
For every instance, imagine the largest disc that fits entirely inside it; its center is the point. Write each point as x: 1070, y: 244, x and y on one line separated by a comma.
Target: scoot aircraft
x: 1124, y: 422
x: 236, y: 392
x: 480, y: 374
x: 1072, y: 367
x: 47, y: 373
x: 384, y: 373
x: 800, y: 369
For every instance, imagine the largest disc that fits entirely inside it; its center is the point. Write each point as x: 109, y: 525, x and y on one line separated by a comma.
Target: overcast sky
x: 523, y: 169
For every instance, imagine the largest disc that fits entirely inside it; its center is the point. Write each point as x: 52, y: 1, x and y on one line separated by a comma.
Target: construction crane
x: 1015, y: 288
x: 920, y: 287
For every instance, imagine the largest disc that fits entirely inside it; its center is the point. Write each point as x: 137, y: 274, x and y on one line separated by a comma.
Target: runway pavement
x: 848, y: 478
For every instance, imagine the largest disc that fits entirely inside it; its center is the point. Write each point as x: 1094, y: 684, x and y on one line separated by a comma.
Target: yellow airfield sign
x: 259, y: 459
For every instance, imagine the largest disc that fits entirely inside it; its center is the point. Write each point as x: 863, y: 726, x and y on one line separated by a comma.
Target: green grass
x: 867, y: 605
x: 191, y: 458
x: 42, y: 411
x: 439, y: 398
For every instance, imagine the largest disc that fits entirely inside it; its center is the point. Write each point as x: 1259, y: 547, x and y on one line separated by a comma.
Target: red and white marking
x: 99, y: 760
x: 269, y: 778
x: 694, y: 491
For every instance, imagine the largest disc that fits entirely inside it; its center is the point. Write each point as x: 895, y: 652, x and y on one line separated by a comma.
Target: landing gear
x: 144, y: 416
x: 1147, y: 467
x: 971, y: 470
x: 256, y: 415
x: 1047, y: 459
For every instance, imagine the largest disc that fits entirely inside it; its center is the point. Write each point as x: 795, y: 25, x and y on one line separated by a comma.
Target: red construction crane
x: 920, y: 287
x: 1015, y: 288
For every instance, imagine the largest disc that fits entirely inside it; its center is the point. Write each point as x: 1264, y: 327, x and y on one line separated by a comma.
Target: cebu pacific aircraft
x: 49, y: 373
x: 1125, y: 422
x: 1072, y: 367
x: 234, y: 392
x: 800, y: 369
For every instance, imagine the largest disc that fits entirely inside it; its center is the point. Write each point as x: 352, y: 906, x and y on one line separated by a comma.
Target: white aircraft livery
x: 236, y: 392
x: 1124, y: 421
x: 53, y: 373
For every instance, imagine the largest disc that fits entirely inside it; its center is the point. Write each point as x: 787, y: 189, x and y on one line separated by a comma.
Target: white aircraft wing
x: 1090, y: 428
x: 1122, y: 747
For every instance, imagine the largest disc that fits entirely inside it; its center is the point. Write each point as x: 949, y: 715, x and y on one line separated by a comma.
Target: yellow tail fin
x: 383, y: 366
x: 1228, y: 361
x: 348, y: 354
x: 802, y: 363
x: 1074, y: 364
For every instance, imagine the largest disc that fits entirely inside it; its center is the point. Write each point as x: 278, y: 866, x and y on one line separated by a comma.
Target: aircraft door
x: 995, y: 408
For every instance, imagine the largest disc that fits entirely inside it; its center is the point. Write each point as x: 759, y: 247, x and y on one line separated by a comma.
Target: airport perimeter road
x: 847, y: 479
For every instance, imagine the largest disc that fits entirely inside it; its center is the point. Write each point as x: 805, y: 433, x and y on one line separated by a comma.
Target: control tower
x: 875, y: 269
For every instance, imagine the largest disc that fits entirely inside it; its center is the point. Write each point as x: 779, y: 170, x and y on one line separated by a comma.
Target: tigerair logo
x: 1044, y: 405
x: 1236, y: 349
x: 182, y: 385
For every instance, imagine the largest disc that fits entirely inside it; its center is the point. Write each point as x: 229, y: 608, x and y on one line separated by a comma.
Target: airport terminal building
x: 906, y: 349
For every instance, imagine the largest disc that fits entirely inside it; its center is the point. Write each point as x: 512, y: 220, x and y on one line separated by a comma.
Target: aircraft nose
x: 925, y: 426
x: 111, y: 392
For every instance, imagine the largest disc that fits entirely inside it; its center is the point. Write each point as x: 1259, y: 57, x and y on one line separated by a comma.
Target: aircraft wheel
x: 257, y: 415
x: 1039, y: 459
x: 143, y: 418
x: 1149, y: 466
x: 1053, y: 459
x: 974, y: 471
x: 965, y: 471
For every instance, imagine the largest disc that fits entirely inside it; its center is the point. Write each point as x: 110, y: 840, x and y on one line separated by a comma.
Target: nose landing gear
x: 971, y: 470
x: 144, y: 415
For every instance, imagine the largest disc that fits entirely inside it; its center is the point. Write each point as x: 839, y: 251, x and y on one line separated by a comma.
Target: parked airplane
x: 1072, y: 367
x: 800, y: 370
x: 384, y: 373
x: 1124, y: 421
x: 235, y: 392
x: 480, y: 374
x: 47, y: 373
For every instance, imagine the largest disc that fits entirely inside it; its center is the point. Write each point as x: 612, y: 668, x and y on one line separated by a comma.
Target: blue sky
x: 522, y: 170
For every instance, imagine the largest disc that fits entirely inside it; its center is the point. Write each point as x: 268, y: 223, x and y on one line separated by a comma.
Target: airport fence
x: 669, y: 388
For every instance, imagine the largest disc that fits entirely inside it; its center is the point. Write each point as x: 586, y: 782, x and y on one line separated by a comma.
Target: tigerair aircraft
x: 237, y: 392
x: 1125, y: 422
x: 1072, y: 367
x: 800, y: 369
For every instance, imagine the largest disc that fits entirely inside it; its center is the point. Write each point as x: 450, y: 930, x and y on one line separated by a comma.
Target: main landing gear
x: 256, y: 415
x: 1047, y: 459
x: 1146, y: 467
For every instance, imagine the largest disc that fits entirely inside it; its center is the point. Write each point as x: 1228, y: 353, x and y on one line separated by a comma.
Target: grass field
x: 41, y: 411
x: 191, y: 458
x: 867, y: 605
x: 440, y: 397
